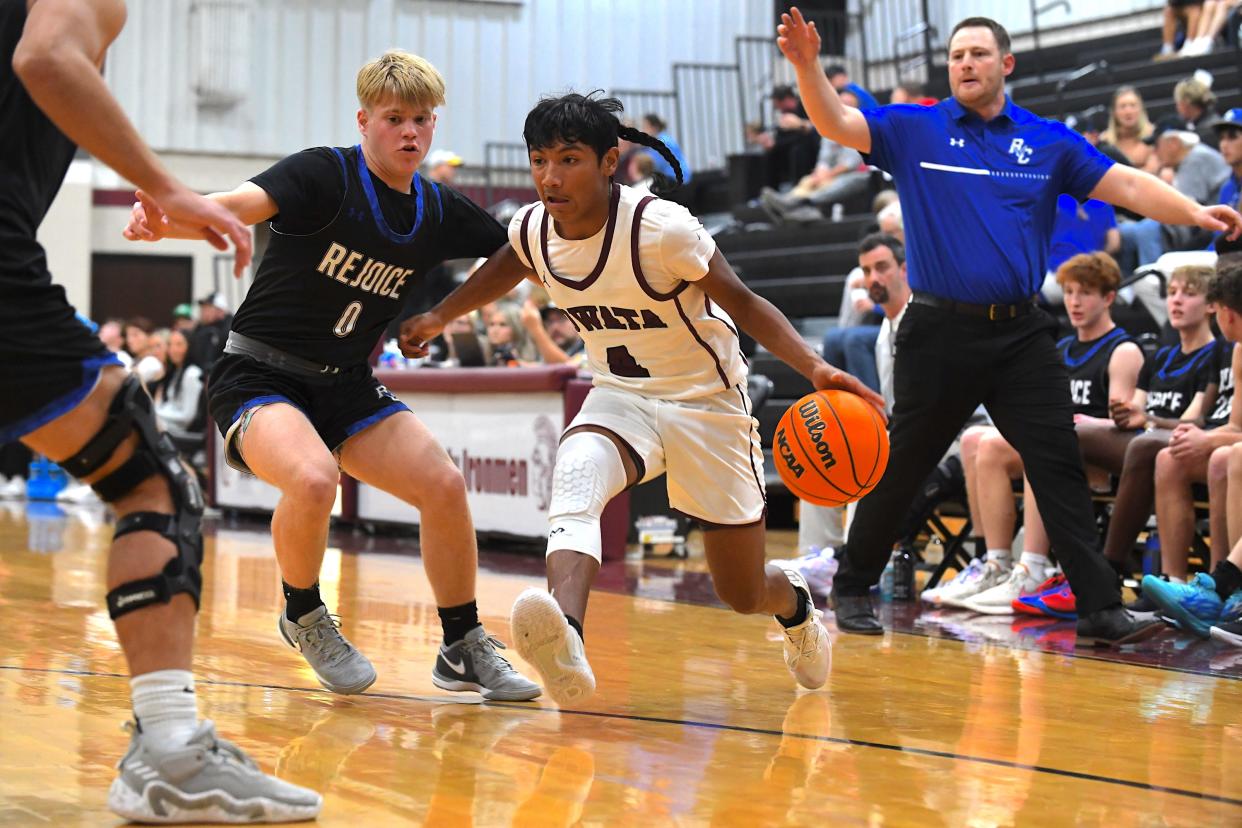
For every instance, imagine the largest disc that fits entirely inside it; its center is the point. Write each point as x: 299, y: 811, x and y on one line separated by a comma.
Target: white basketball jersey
x: 674, y: 345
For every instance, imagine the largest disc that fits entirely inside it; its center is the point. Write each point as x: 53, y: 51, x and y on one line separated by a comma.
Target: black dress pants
x: 946, y: 364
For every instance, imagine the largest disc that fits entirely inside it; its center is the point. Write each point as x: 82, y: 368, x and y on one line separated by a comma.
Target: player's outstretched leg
x: 176, y: 769
x: 282, y: 448
x: 736, y: 558
x: 399, y: 455
x: 547, y: 628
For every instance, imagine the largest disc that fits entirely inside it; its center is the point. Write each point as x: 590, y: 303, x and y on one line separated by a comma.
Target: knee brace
x: 588, y: 474
x: 132, y: 411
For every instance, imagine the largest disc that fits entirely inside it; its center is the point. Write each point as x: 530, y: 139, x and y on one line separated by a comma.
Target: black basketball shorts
x: 337, y: 407
x: 49, y: 359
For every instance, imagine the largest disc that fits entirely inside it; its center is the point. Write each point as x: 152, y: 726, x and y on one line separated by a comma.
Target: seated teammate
x: 659, y: 309
x: 1170, y: 392
x: 1213, y: 599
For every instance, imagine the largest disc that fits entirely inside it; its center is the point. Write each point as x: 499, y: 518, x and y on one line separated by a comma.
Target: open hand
x: 797, y: 39
x: 215, y: 221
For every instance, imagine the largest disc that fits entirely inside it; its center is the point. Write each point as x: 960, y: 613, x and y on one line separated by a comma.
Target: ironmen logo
x: 543, y: 461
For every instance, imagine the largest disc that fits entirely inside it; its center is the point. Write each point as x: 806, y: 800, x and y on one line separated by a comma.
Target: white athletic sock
x: 1001, y: 557
x: 1037, y: 564
x: 1166, y: 49
x: 166, y: 707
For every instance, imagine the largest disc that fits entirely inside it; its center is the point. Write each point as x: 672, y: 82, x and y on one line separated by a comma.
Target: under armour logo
x: 557, y: 530
x: 957, y: 142
x: 356, y: 214
x: 1019, y: 150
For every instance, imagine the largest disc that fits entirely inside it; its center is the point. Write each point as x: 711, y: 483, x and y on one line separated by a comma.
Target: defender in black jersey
x: 1170, y: 392
x: 1103, y: 363
x: 64, y: 395
x: 353, y: 231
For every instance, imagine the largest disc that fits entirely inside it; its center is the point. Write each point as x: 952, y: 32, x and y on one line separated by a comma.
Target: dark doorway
x: 126, y: 285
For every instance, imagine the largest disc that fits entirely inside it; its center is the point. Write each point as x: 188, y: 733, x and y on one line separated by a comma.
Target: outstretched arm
x: 250, y: 203
x: 58, y: 59
x: 1147, y: 195
x: 759, y: 318
x: 799, y: 42
x: 498, y: 275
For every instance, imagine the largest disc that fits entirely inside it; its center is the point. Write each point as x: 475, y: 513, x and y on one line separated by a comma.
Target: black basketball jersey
x: 1222, y: 376
x: 34, y: 156
x: 1172, y: 378
x: 327, y: 294
x: 1088, y: 369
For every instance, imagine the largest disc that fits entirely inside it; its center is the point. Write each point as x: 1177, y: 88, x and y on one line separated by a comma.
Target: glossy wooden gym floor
x: 696, y: 721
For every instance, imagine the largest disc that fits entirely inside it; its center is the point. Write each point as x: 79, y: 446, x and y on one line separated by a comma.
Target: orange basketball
x: 831, y: 448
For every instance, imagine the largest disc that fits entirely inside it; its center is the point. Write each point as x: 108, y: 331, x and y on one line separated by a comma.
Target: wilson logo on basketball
x: 815, y: 429
x: 832, y: 448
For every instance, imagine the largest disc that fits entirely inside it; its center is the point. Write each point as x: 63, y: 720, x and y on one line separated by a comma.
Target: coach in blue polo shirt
x: 979, y: 179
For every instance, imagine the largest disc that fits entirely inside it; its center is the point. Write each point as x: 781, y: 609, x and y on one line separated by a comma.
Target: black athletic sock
x: 804, y: 609
x: 457, y: 621
x: 1228, y: 579
x: 577, y: 625
x: 981, y: 547
x: 298, y: 602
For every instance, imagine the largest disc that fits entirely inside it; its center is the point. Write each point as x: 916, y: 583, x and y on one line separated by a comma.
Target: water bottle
x: 903, y: 575
x: 1151, y: 554
x: 886, y: 583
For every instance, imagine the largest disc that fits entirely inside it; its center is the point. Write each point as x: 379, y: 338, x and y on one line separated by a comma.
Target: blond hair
x: 402, y: 76
x: 1142, y: 128
x: 1195, y: 278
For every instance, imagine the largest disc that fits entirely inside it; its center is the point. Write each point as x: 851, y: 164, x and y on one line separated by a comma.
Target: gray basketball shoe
x: 207, y: 780
x: 474, y: 664
x: 337, y: 664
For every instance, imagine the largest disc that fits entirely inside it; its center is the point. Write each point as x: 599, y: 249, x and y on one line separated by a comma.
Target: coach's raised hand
x: 798, y: 39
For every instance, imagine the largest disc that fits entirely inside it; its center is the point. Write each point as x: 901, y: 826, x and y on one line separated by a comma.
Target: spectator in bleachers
x: 840, y: 80
x: 1104, y: 363
x: 910, y: 93
x: 1229, y: 130
x: 1209, y: 600
x: 1212, y: 19
x: 1089, y: 125
x: 839, y: 175
x: 1088, y: 227
x: 791, y: 147
x: 1129, y: 128
x: 653, y: 124
x: 179, y: 393
x: 145, y: 348
x: 442, y: 165
x: 882, y: 258
x: 1170, y: 392
x: 1198, y: 171
x: 553, y: 334
x: 510, y: 343
x: 112, y: 334
x: 207, y: 340
x: 1185, y: 12
x: 1196, y: 105
x: 642, y: 171
x: 183, y: 318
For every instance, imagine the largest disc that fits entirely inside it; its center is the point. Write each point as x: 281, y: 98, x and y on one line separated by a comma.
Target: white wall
x: 293, y: 62
x: 66, y: 235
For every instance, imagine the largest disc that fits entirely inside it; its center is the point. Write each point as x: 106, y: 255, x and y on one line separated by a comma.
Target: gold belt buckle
x: 992, y: 315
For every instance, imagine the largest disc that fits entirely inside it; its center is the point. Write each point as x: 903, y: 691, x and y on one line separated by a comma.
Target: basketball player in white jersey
x: 658, y: 307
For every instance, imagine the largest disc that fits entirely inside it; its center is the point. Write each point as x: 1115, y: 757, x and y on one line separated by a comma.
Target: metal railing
x: 506, y: 166
x: 709, y: 113
x: 1095, y: 67
x: 641, y: 102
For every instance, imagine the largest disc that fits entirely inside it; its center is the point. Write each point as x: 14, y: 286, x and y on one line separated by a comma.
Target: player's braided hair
x: 589, y: 120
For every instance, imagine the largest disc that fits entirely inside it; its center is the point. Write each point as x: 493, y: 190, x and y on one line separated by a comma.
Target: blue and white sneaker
x: 1194, y: 607
x: 1229, y: 628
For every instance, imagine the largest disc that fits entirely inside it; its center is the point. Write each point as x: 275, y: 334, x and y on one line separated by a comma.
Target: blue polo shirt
x: 1079, y: 228
x: 979, y: 198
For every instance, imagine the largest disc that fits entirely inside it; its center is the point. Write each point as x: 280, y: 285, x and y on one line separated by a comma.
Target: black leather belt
x: 253, y: 348
x: 993, y: 313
